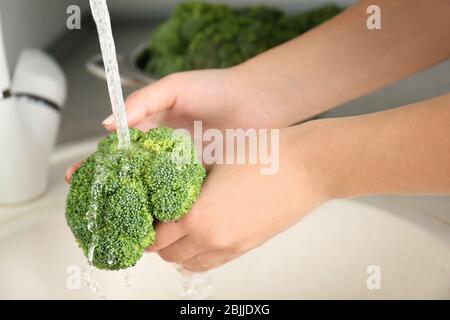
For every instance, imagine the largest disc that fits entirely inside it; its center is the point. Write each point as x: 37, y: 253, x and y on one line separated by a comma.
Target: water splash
x: 102, y: 19
x: 110, y: 259
x: 127, y: 279
x: 91, y: 216
x: 89, y: 280
x: 195, y: 286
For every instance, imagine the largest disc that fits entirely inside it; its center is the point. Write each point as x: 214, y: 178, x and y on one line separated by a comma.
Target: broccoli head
x: 117, y: 194
x: 237, y: 38
x: 187, y: 20
x: 202, y: 35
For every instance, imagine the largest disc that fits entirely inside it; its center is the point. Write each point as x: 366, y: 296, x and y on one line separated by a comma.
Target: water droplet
x: 195, y: 286
x: 127, y: 279
x: 110, y: 259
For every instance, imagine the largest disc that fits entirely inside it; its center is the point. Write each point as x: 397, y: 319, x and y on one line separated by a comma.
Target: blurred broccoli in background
x: 201, y: 35
x: 116, y: 194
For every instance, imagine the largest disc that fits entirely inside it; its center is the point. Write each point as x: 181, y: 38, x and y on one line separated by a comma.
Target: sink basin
x: 326, y: 255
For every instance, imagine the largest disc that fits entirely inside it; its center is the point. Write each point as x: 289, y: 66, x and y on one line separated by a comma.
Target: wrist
x: 270, y: 100
x: 311, y: 148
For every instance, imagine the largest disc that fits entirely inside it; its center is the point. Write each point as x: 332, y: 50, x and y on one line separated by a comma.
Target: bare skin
x: 401, y: 151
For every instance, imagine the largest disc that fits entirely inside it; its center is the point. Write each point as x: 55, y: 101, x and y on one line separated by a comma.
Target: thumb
x: 148, y: 102
x: 71, y: 171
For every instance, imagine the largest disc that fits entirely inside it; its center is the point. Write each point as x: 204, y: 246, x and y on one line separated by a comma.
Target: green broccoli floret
x: 215, y: 47
x: 202, y: 35
x: 116, y: 194
x: 166, y: 64
x: 187, y: 20
x: 248, y: 32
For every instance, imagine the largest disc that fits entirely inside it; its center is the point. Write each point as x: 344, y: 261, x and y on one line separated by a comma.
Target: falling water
x: 127, y: 279
x: 195, y: 286
x: 101, y: 16
x: 91, y: 217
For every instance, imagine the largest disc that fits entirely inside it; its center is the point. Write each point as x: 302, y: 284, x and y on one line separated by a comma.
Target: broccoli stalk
x: 117, y: 194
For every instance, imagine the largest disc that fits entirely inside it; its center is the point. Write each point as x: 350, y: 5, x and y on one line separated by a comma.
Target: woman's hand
x: 225, y: 98
x: 399, y: 151
x: 240, y: 209
x: 221, y: 99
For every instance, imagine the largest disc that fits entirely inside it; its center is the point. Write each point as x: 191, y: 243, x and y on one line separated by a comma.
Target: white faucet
x: 30, y: 107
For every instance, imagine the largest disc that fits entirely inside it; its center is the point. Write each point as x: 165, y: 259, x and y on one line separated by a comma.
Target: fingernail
x: 108, y: 121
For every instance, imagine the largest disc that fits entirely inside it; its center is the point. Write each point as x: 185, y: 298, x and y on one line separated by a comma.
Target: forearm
x: 400, y: 151
x: 342, y: 59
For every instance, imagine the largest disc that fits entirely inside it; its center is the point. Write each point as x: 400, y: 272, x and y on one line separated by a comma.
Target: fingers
x: 148, y: 123
x: 166, y: 234
x: 148, y: 102
x: 208, y: 260
x: 71, y: 170
x: 181, y: 250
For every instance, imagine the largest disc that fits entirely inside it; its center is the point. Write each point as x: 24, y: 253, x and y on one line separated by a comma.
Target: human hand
x: 224, y: 98
x: 240, y: 209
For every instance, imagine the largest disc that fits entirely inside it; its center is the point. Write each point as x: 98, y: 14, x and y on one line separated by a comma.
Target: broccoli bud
x: 201, y: 35
x: 116, y: 194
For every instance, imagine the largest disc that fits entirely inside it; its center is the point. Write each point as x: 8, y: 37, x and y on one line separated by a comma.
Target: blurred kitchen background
x: 133, y: 22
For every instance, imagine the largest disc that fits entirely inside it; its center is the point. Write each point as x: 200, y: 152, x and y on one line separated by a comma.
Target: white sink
x: 324, y: 256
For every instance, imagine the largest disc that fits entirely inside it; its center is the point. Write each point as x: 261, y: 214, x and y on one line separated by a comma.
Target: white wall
x: 31, y: 23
